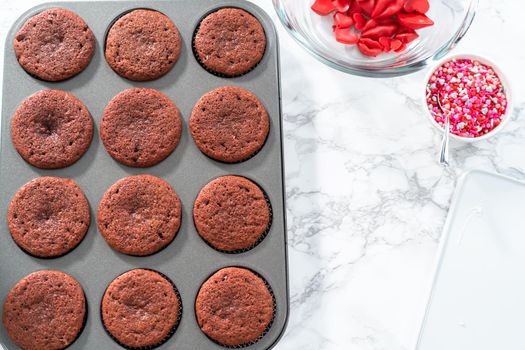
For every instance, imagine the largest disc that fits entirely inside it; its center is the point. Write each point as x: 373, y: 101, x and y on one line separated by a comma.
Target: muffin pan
x: 188, y: 261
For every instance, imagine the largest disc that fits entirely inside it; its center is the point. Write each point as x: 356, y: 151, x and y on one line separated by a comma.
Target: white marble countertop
x: 366, y: 198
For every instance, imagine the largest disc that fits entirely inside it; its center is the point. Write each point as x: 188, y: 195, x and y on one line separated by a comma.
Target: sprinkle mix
x: 473, y: 95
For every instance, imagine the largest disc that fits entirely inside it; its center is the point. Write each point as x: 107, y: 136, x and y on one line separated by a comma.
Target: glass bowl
x: 452, y: 20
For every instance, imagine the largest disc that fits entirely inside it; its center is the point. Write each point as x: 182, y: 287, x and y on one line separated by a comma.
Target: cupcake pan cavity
x: 203, y: 65
x: 263, y: 235
x: 188, y: 261
x: 268, y: 328
x: 172, y: 331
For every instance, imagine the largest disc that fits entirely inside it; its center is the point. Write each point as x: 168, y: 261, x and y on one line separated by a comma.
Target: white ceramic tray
x: 478, y: 296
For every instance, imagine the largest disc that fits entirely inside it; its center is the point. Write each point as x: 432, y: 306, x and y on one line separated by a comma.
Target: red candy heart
x: 354, y: 8
x: 392, y: 9
x: 395, y: 44
x: 414, y: 20
x: 380, y: 25
x: 379, y: 31
x: 343, y: 21
x: 407, y: 37
x: 385, y: 42
x: 401, y: 48
x: 369, y: 47
x: 380, y: 7
x: 421, y: 6
x: 367, y: 6
x: 323, y: 7
x: 371, y: 23
x: 346, y: 36
x: 341, y: 5
x: 360, y: 21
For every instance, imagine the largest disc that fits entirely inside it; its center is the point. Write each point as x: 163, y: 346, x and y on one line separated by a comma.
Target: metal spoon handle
x: 443, y: 156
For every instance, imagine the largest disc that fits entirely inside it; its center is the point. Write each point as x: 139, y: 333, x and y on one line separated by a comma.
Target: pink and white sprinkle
x: 471, y: 92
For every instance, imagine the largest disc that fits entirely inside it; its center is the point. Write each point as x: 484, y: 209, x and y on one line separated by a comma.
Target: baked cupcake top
x: 234, y: 307
x: 229, y: 42
x: 229, y: 124
x: 231, y: 213
x: 140, y: 127
x: 51, y: 129
x: 54, y: 45
x: 141, y: 309
x: 139, y: 215
x: 143, y: 45
x: 48, y: 216
x: 45, y: 310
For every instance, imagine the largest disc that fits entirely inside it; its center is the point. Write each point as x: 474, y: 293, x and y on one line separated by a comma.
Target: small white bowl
x: 504, y: 120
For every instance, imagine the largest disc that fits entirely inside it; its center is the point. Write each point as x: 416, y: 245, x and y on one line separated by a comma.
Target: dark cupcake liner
x: 211, y: 71
x: 57, y: 82
x: 48, y: 257
x: 65, y: 79
x: 261, y: 237
x: 240, y: 161
x: 151, y: 254
x: 108, y: 28
x: 263, y: 334
x: 71, y: 249
x: 84, y: 321
x: 145, y: 255
x: 254, y: 153
x: 119, y: 16
x: 172, y: 331
x: 244, y: 159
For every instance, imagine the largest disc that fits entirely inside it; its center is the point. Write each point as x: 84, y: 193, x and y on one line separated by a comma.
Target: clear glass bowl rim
x: 381, y: 72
